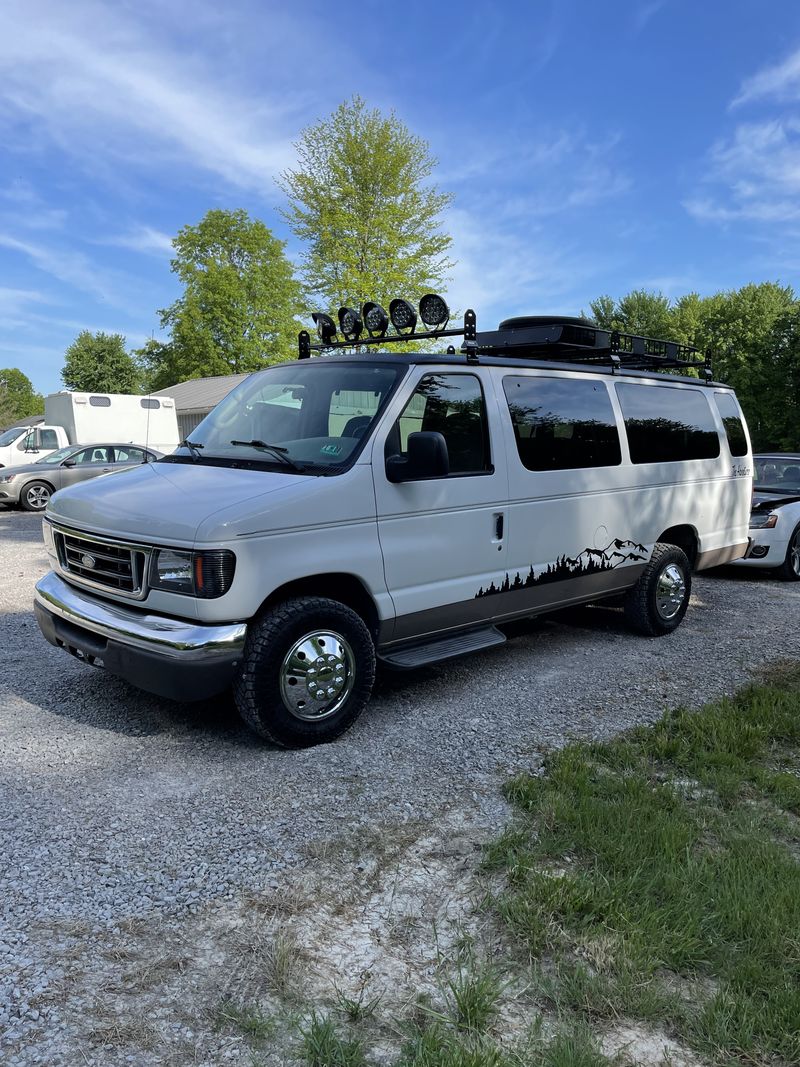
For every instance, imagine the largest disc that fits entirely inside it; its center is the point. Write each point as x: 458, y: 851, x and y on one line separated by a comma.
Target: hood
x: 764, y: 501
x: 163, y: 502
x: 28, y: 468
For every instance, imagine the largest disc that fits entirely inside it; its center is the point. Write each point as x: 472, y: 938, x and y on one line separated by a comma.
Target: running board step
x: 420, y: 655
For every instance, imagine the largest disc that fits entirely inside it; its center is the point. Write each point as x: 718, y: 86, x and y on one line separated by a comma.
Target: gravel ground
x: 137, y: 832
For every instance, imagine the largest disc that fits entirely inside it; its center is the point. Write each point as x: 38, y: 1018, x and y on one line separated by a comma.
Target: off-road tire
x: 23, y: 496
x: 789, y: 570
x: 642, y: 604
x: 257, y: 687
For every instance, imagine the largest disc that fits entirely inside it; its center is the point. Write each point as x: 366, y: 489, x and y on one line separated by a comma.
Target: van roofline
x: 408, y: 359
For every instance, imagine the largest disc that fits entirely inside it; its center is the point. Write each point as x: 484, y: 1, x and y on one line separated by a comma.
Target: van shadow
x: 20, y: 526
x: 49, y: 679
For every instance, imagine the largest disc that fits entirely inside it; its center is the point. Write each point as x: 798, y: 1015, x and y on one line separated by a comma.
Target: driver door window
x: 452, y: 405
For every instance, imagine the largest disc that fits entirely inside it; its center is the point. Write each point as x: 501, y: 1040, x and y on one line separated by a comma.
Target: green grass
x: 324, y: 1046
x: 671, y: 851
x: 248, y: 1019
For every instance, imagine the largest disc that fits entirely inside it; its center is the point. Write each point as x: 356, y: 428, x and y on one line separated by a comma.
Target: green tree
x: 99, y: 363
x: 18, y: 398
x: 639, y: 312
x: 239, y: 304
x: 361, y: 202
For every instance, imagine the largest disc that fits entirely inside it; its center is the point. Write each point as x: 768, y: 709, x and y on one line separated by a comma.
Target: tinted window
x: 665, y: 424
x: 452, y: 405
x: 148, y: 402
x: 100, y: 401
x: 562, y: 423
x: 737, y: 438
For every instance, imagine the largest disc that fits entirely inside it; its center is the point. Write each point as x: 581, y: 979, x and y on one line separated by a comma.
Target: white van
x: 352, y: 508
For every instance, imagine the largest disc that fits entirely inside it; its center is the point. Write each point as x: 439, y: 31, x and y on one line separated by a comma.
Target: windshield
x: 307, y: 418
x: 778, y: 474
x: 57, y: 456
x: 10, y: 436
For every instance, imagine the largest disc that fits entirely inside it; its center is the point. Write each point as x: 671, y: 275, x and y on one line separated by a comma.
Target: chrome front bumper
x: 172, y: 657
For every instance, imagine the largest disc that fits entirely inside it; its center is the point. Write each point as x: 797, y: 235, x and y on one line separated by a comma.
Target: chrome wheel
x: 317, y: 675
x: 793, y: 553
x: 670, y: 591
x: 37, y: 497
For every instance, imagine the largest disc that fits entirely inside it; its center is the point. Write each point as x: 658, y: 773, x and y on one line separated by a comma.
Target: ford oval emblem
x: 88, y: 561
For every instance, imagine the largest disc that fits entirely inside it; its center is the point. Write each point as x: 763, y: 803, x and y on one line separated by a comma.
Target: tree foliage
x: 361, y: 202
x: 753, y: 335
x: 99, y: 363
x: 239, y: 304
x: 18, y: 398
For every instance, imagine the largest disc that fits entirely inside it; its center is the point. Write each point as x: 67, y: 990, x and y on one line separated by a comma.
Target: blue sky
x: 591, y: 147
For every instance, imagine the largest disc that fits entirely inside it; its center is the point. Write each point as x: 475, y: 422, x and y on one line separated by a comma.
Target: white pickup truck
x: 88, y: 418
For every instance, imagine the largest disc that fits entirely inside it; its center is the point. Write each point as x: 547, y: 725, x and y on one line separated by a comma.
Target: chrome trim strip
x: 176, y: 638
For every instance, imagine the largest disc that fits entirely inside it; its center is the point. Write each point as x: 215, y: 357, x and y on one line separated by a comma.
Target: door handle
x: 499, y: 526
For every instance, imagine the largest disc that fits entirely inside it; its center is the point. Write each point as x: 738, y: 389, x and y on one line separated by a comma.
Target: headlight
x: 201, y: 574
x: 7, y: 477
x: 763, y: 520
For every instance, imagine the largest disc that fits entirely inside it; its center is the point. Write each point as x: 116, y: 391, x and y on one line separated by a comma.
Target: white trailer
x: 92, y: 418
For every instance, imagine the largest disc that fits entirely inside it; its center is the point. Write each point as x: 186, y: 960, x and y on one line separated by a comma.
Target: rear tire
x: 657, y: 603
x: 307, y: 672
x: 790, y: 568
x: 35, y: 496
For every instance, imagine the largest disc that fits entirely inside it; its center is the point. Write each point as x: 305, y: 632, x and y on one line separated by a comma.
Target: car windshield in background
x: 57, y: 456
x: 310, y: 418
x: 778, y: 474
x: 9, y: 437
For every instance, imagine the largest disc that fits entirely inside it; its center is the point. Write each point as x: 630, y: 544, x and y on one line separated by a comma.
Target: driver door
x: 443, y: 538
x: 88, y: 463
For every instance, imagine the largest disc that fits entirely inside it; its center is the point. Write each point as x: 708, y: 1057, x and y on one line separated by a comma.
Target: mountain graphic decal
x: 590, y: 561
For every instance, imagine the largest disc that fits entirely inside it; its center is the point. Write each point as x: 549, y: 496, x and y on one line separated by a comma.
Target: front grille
x: 105, y: 564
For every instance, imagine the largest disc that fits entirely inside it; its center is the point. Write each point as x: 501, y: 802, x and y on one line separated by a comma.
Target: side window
x: 731, y: 420
x: 666, y: 424
x: 28, y: 442
x: 562, y: 423
x: 94, y: 454
x: 452, y: 405
x: 49, y: 438
x: 100, y: 401
x: 128, y: 455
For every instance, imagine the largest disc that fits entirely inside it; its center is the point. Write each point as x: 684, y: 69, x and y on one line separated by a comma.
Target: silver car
x: 32, y: 484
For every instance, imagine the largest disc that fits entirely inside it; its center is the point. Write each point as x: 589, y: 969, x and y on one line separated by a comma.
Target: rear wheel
x: 657, y: 603
x: 307, y: 672
x: 790, y: 568
x: 35, y: 496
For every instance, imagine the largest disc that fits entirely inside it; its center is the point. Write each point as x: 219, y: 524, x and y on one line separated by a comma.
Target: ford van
x: 368, y: 507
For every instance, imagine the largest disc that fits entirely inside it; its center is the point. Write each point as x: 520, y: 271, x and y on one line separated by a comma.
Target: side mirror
x: 426, y: 458
x: 68, y: 463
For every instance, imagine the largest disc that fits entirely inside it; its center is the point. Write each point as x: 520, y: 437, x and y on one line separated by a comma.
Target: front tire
x: 307, y: 672
x: 790, y: 568
x: 35, y: 496
x: 657, y: 603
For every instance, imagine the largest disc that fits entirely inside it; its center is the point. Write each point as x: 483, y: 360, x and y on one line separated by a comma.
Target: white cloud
x: 144, y: 239
x: 756, y: 173
x: 781, y: 81
x: 100, y: 83
x: 71, y: 267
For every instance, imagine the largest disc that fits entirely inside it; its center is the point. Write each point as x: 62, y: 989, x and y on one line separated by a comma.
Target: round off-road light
x: 326, y: 327
x: 375, y: 319
x: 350, y: 324
x: 403, y: 316
x: 434, y: 312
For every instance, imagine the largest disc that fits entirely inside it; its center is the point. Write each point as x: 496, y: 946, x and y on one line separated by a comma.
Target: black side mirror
x: 426, y: 458
x: 68, y: 463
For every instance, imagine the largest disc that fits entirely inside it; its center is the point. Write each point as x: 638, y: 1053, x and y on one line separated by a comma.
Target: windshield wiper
x: 276, y: 450
x: 194, y: 448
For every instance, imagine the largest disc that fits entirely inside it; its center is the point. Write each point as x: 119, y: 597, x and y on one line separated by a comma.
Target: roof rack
x: 559, y: 338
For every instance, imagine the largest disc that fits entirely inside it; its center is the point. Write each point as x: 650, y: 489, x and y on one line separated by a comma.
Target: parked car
x: 32, y: 484
x: 339, y: 510
x: 775, y: 518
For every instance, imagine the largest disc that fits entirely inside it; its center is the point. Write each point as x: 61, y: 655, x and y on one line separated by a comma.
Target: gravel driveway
x: 150, y: 848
